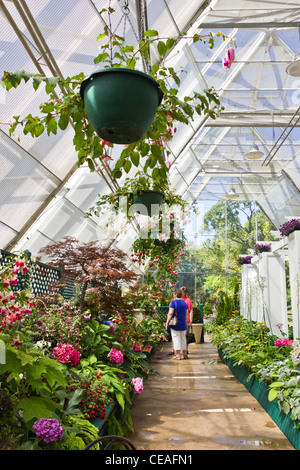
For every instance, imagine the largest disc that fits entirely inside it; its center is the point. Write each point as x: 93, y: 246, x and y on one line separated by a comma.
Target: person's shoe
x: 185, y: 356
x: 176, y: 356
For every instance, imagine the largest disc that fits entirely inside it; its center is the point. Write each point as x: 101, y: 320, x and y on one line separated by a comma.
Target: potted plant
x: 120, y: 103
x: 262, y: 248
x: 244, y: 260
x: 65, y: 104
x: 289, y: 227
x: 142, y: 189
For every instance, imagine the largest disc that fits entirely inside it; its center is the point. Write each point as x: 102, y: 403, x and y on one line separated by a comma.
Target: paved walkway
x: 198, y: 404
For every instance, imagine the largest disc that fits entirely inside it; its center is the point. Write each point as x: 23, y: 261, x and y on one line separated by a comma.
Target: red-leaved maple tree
x: 102, y: 268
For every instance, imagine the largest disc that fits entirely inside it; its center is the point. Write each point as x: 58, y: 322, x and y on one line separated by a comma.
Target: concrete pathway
x: 198, y: 404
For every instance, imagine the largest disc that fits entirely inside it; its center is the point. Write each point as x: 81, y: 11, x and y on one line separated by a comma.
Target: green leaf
x: 161, y: 47
x: 63, y: 121
x: 273, y: 393
x: 285, y: 407
x: 150, y: 33
x: 156, y: 150
x: 51, y: 84
x: 127, y: 49
x: 37, y: 80
x: 101, y: 57
x: 135, y: 158
x: 37, y: 408
x: 276, y: 385
x: 51, y: 125
x: 127, y: 166
x: 120, y: 399
x: 39, y: 129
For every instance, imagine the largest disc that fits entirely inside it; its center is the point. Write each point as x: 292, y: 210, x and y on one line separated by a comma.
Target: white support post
x: 272, y: 281
x: 249, y: 301
x: 294, y: 267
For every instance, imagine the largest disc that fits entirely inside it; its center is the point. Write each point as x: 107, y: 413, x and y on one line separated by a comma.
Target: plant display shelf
x: 260, y: 392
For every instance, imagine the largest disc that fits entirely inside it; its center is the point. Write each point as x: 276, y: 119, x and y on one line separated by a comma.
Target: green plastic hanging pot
x: 147, y: 198
x: 120, y: 103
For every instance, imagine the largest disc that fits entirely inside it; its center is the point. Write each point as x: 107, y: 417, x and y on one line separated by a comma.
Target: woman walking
x: 178, y: 308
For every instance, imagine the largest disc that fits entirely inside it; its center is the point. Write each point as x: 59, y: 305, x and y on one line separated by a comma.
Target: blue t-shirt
x: 181, y: 310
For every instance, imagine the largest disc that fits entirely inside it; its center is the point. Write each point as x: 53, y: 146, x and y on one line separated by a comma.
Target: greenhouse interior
x: 149, y: 231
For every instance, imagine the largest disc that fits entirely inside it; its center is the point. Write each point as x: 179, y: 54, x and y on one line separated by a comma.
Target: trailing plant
x: 65, y: 105
x: 262, y: 248
x: 289, y: 227
x: 244, y: 260
x: 121, y: 199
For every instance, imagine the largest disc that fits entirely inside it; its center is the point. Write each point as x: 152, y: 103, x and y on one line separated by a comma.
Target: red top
x: 189, y: 305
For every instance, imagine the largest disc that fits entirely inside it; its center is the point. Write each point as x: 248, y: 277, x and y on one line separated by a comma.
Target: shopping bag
x: 190, y: 336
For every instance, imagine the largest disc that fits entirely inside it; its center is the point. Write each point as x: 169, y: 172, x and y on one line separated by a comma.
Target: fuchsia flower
x: 231, y: 53
x: 229, y: 57
x: 226, y: 62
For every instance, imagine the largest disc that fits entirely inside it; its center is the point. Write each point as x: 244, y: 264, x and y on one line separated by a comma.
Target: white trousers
x: 179, y: 339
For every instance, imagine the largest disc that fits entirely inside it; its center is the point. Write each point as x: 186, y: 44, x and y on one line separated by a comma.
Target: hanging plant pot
x: 147, y: 198
x: 121, y: 103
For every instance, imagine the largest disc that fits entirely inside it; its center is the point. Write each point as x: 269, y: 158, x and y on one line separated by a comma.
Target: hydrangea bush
x: 66, y: 353
x: 48, y: 429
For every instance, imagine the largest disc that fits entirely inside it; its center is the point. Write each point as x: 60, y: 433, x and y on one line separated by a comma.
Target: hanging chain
x: 125, y: 17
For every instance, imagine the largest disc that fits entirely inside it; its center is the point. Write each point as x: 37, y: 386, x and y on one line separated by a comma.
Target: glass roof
x: 43, y: 193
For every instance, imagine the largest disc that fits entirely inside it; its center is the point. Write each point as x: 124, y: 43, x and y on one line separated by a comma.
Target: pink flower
x: 231, y: 53
x: 283, y: 342
x: 137, y: 348
x: 137, y: 385
x: 66, y: 353
x: 116, y: 356
x: 168, y: 164
x: 226, y: 62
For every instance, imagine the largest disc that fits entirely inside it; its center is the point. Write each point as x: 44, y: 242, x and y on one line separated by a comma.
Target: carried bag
x: 190, y: 338
x: 167, y: 333
x: 174, y: 319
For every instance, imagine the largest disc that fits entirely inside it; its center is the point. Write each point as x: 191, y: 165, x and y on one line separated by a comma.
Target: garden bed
x: 260, y: 391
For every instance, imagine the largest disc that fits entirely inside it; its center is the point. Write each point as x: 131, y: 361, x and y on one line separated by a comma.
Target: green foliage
x: 207, y: 310
x: 242, y: 219
x: 34, y: 385
x: 224, y: 309
x: 250, y: 344
x: 65, y: 105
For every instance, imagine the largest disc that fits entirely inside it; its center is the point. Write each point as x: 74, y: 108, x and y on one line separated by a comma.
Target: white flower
x: 295, y: 352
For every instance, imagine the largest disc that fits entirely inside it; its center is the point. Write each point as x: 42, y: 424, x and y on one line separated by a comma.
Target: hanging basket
x: 147, y: 198
x: 121, y: 103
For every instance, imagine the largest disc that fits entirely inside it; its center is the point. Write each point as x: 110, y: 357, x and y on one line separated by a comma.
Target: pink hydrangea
x: 66, y: 353
x: 138, y: 386
x: 116, y: 356
x: 283, y: 342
